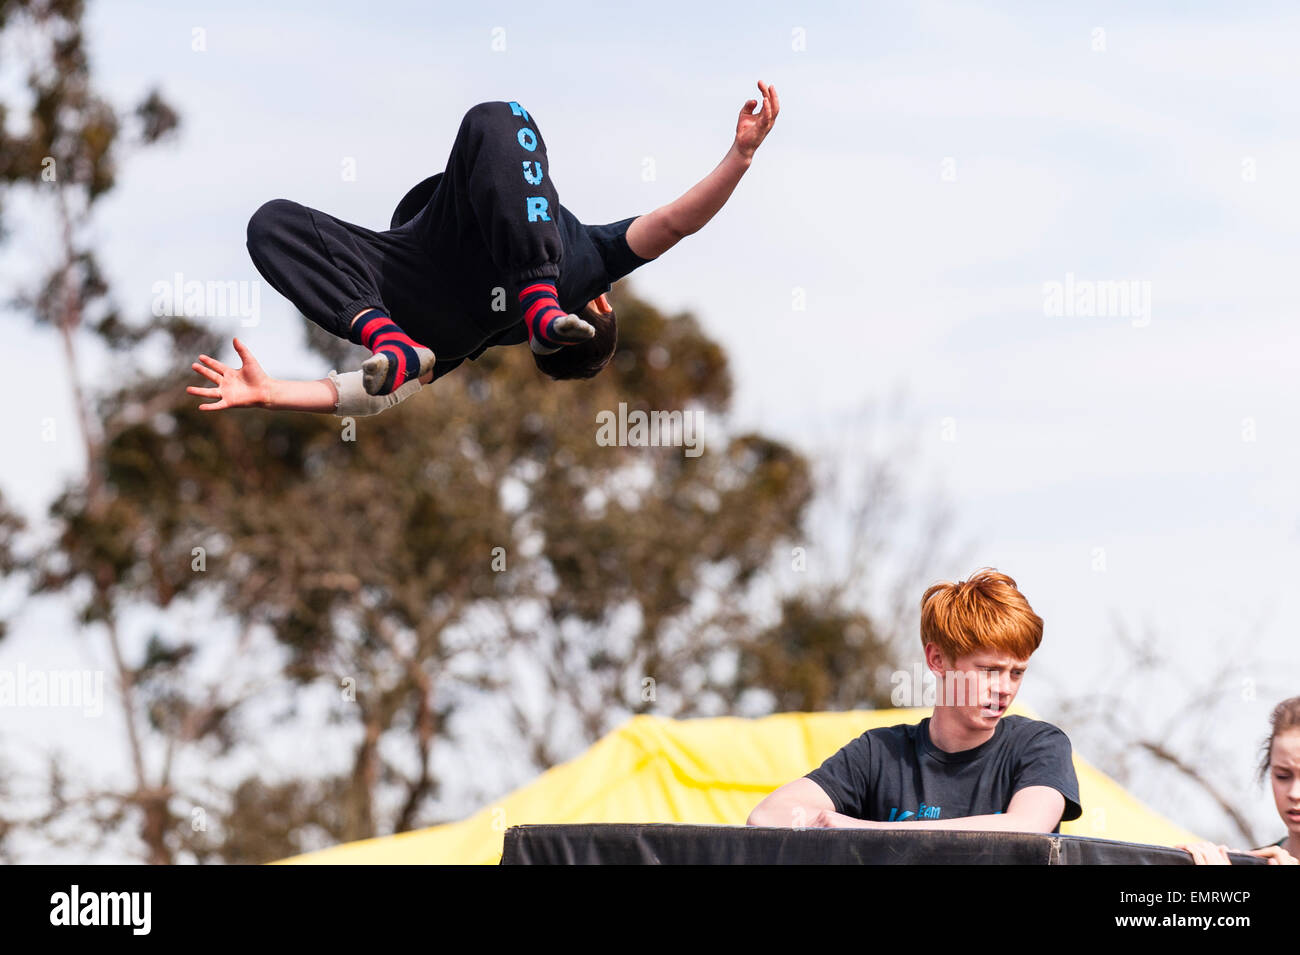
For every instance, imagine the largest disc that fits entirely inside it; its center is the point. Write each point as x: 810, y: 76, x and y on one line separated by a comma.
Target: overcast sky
x: 934, y: 167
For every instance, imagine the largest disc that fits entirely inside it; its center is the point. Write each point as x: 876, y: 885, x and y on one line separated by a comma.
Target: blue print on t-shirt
x: 924, y: 812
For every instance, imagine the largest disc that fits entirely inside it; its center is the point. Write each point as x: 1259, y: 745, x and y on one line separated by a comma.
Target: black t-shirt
x: 896, y: 773
x: 594, y: 258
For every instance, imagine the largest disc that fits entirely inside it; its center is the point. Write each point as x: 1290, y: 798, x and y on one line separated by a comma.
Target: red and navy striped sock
x: 541, y: 309
x: 407, y: 358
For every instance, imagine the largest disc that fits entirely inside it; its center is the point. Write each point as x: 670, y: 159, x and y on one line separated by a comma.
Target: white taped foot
x: 567, y: 330
x: 572, y: 328
x: 374, y: 370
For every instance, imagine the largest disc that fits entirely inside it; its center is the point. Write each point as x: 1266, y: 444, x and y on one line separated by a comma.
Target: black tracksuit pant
x: 489, y: 225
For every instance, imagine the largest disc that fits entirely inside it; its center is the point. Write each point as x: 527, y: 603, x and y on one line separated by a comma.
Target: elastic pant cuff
x: 550, y: 270
x: 346, y: 313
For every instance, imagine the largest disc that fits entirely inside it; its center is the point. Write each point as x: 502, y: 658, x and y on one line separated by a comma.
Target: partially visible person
x: 1280, y: 761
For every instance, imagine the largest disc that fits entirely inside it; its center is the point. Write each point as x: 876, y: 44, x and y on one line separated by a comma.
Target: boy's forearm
x: 319, y: 397
x: 782, y: 816
x: 690, y: 213
x: 1001, y: 822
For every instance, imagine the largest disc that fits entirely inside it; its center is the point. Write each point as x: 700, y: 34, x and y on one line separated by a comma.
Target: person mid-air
x: 478, y: 255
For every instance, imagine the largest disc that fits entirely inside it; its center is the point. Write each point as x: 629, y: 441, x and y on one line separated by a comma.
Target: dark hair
x: 1286, y: 717
x: 585, y: 359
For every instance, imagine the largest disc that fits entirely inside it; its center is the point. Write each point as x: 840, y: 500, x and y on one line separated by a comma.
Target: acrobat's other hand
x: 244, y: 387
x: 752, y: 128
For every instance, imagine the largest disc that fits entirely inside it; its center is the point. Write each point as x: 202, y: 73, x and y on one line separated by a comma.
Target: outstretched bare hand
x: 753, y: 127
x: 244, y: 387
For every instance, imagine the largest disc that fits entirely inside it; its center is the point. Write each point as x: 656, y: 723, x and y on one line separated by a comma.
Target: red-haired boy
x: 968, y: 766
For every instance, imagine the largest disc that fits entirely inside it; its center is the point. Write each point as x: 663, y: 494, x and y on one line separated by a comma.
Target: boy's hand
x: 1206, y: 853
x: 244, y: 387
x: 1275, y: 855
x: 753, y: 127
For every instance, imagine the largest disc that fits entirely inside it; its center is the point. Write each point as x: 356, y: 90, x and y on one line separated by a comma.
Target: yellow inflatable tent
x: 711, y: 771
